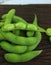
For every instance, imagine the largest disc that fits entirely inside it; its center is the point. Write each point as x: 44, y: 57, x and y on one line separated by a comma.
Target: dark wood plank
x: 43, y: 13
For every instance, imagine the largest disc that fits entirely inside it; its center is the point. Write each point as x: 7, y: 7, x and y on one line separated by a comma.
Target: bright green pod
x: 13, y: 48
x: 18, y: 39
x: 19, y: 26
x: 11, y: 57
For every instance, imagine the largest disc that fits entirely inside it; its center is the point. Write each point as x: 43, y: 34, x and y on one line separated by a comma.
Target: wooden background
x: 44, y: 19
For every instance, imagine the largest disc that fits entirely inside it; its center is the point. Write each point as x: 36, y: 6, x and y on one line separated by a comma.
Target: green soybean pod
x: 18, y: 39
x: 11, y: 57
x: 13, y: 48
x: 38, y: 39
x: 48, y: 31
x: 11, y: 26
x: 19, y: 26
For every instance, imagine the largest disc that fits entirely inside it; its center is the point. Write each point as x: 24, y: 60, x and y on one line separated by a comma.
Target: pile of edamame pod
x: 19, y: 38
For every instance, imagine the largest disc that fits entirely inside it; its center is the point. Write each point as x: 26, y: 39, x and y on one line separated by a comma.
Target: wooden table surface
x: 43, y: 13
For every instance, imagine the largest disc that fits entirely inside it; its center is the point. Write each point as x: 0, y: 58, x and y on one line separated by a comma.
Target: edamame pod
x: 13, y: 48
x: 11, y: 57
x: 19, y: 26
x: 15, y: 39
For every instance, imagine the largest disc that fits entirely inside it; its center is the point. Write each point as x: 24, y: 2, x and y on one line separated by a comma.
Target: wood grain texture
x: 43, y: 13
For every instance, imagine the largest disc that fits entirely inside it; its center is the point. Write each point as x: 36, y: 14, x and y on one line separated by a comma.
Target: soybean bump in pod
x: 48, y: 32
x: 20, y: 48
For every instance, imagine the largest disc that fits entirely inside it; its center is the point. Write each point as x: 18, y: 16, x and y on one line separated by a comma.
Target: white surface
x: 27, y: 2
